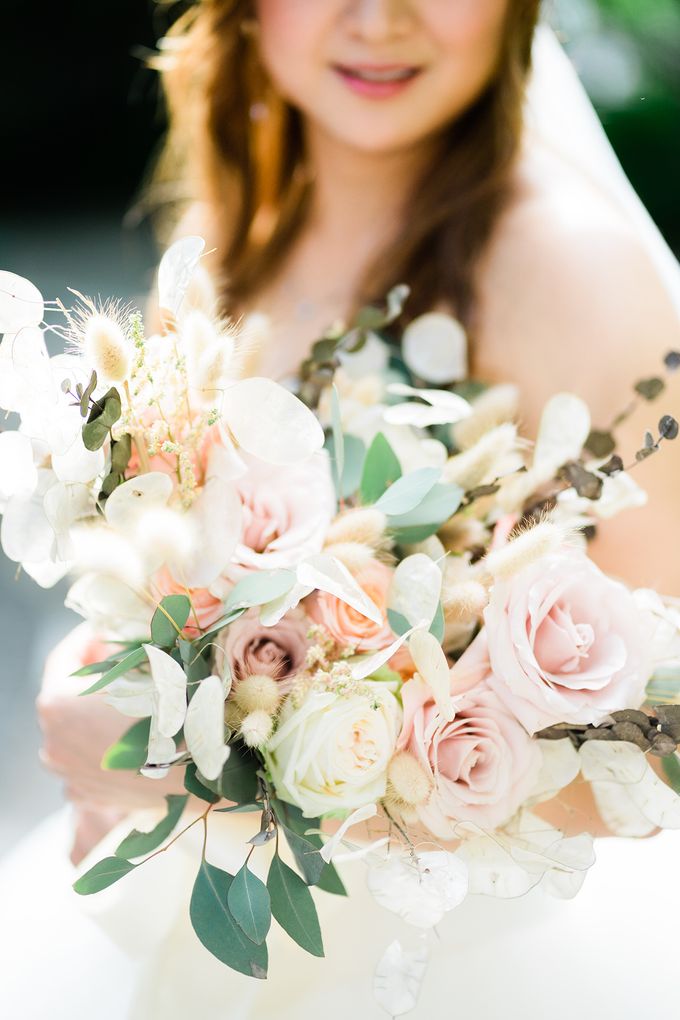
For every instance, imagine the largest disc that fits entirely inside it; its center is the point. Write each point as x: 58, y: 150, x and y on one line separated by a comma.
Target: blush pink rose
x: 246, y: 647
x: 206, y: 608
x: 482, y: 764
x: 564, y: 643
x: 346, y: 625
x: 286, y: 513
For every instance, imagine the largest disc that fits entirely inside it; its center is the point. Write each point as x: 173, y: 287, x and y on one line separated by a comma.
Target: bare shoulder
x: 568, y: 286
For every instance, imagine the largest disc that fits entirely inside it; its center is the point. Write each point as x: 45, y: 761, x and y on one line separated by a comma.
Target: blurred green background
x: 80, y: 119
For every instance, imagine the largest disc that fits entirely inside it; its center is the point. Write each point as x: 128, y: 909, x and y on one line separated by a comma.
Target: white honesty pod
x: 169, y: 691
x: 110, y: 604
x: 440, y: 408
x: 560, y: 765
x: 24, y: 371
x: 214, y: 529
x: 563, y: 430
x: 269, y: 422
x: 326, y: 573
x: 362, y: 814
x: 131, y: 696
x: 204, y: 728
x: 362, y: 666
x: 606, y: 763
x: 130, y: 501
x: 434, y: 346
x: 18, y: 473
x: 431, y: 663
x: 416, y: 589
x: 399, y: 977
x: 21, y: 303
x: 175, y: 271
x: 421, y: 890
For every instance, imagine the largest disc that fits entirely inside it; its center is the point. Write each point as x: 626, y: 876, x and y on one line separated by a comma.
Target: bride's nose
x: 377, y: 20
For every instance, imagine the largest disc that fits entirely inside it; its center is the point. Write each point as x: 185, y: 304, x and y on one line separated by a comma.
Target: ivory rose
x: 286, y: 513
x: 565, y: 643
x: 331, y: 749
x: 246, y: 647
x: 482, y: 764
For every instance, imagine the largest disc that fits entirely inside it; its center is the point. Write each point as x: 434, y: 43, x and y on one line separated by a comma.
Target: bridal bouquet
x: 366, y: 602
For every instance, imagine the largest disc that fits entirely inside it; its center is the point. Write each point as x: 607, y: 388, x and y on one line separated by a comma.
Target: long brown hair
x: 250, y: 169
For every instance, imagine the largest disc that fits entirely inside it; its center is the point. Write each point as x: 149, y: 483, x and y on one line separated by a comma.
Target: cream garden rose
x: 331, y: 749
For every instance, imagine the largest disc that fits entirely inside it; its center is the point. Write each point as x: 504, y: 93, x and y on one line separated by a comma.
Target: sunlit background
x: 81, y: 119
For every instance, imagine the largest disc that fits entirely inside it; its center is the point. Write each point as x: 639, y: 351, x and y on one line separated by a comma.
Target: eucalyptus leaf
x: 121, y: 451
x: 293, y: 907
x: 164, y: 631
x: 436, y: 508
x: 381, y: 469
x: 397, y: 622
x: 438, y: 624
x: 354, y: 456
x: 408, y: 492
x: 131, y: 750
x: 131, y: 661
x: 671, y: 766
x: 95, y: 434
x: 216, y: 928
x: 291, y: 818
x: 249, y: 904
x: 102, y: 875
x: 258, y: 588
x: 239, y: 809
x: 194, y: 785
x: 338, y: 439
x: 238, y: 781
x: 307, y: 856
x: 137, y: 844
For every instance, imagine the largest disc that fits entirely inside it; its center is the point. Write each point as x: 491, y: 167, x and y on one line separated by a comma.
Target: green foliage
x: 436, y: 508
x: 168, y: 620
x: 353, y: 463
x: 137, y: 844
x: 438, y: 624
x: 291, y: 819
x: 131, y: 661
x: 408, y: 492
x: 194, y: 785
x: 259, y: 588
x: 104, y: 414
x: 307, y: 857
x: 248, y: 901
x: 216, y: 927
x: 381, y: 469
x: 671, y: 766
x: 102, y: 875
x: 131, y: 750
x: 238, y: 781
x: 293, y: 907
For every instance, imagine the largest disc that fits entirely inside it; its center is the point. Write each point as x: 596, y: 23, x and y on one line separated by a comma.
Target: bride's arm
x: 571, y: 301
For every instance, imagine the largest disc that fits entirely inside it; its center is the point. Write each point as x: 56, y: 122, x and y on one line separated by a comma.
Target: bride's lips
x: 377, y: 81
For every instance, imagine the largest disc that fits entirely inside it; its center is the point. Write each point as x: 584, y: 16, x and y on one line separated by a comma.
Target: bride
x: 328, y: 151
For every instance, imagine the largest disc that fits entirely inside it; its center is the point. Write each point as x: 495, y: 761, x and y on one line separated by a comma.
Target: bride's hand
x: 77, y: 731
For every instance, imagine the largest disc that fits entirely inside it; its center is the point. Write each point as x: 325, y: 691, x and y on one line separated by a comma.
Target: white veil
x: 560, y: 115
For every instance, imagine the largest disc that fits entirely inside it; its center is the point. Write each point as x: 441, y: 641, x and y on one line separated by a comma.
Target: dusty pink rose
x: 247, y: 647
x: 286, y: 513
x: 565, y: 643
x: 483, y: 765
x: 346, y: 625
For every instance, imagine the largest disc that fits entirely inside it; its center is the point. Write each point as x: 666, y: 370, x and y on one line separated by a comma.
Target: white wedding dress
x: 129, y: 953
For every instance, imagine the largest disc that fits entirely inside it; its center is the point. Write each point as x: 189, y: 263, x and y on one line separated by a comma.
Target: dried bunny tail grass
x: 528, y: 547
x: 407, y: 779
x: 256, y: 728
x: 257, y: 692
x: 101, y: 331
x: 494, y: 407
x: 353, y: 555
x: 365, y: 526
x: 233, y: 716
x: 464, y: 601
x: 483, y: 462
x: 398, y: 808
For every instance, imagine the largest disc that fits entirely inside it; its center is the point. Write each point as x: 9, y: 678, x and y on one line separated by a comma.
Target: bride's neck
x: 358, y: 197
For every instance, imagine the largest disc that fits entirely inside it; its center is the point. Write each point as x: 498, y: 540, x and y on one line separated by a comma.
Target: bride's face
x: 380, y: 75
